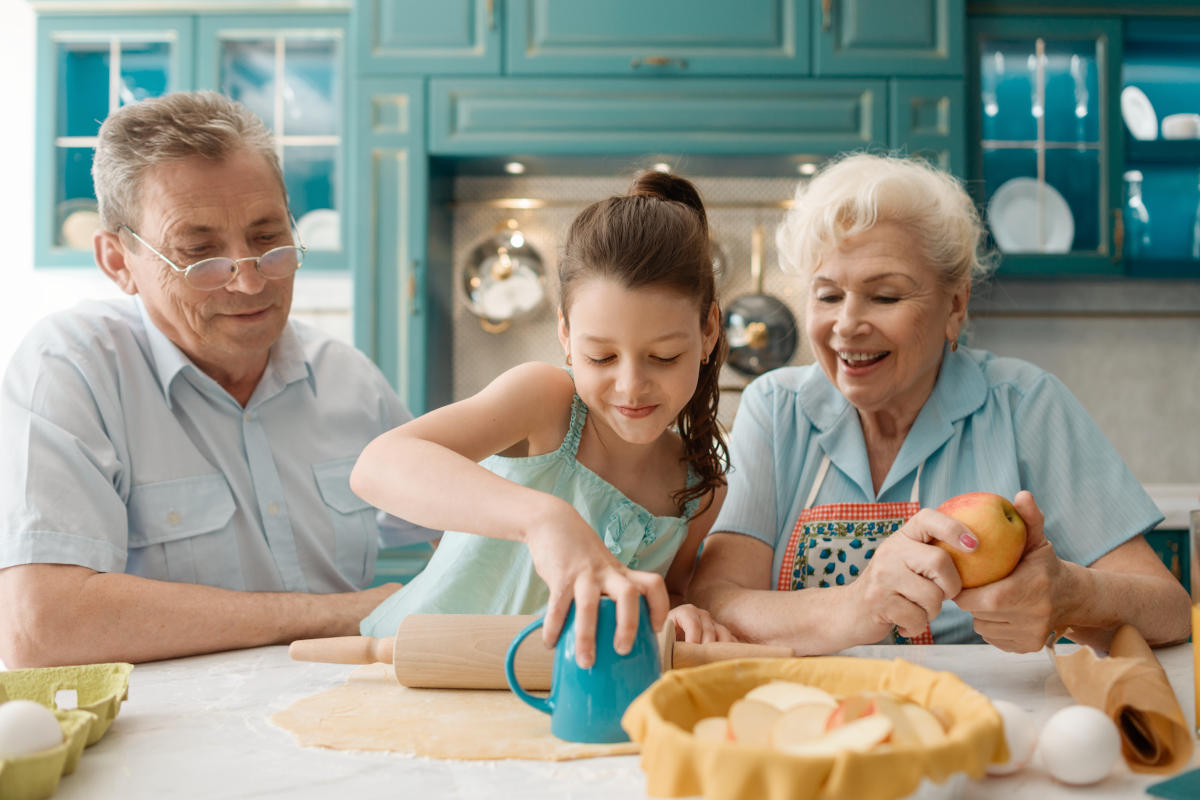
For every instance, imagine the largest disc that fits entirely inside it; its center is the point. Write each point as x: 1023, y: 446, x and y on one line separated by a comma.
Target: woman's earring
x: 953, y: 345
x: 704, y: 359
x: 568, y: 359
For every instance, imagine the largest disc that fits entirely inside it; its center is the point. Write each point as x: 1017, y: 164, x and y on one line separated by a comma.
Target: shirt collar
x: 287, y: 362
x: 960, y: 389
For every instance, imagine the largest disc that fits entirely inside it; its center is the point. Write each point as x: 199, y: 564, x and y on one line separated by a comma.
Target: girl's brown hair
x: 656, y: 234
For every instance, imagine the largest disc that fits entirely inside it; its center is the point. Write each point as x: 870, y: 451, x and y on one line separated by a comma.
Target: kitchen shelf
x: 1176, y: 152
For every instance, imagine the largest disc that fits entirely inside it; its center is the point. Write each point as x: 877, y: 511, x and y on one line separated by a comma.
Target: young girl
x: 601, y: 478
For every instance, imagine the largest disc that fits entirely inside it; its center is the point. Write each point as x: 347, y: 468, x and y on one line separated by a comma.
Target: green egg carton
x: 99, y: 688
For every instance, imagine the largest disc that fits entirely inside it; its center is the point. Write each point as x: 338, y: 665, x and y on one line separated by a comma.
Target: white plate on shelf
x: 78, y: 219
x: 1139, y: 114
x: 320, y: 229
x: 1014, y: 211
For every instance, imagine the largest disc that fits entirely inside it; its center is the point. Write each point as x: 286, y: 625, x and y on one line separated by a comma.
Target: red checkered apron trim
x: 885, y: 515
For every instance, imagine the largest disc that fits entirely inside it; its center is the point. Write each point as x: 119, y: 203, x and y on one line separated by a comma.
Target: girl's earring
x: 568, y: 359
x: 704, y: 359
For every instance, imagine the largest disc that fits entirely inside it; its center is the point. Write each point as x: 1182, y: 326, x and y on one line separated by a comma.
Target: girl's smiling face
x: 878, y: 317
x: 635, y: 354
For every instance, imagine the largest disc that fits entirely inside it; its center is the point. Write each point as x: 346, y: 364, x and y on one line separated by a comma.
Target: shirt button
x: 246, y: 416
x: 273, y: 509
x: 173, y: 517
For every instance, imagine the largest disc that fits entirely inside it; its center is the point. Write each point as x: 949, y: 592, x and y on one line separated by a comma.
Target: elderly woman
x: 833, y: 463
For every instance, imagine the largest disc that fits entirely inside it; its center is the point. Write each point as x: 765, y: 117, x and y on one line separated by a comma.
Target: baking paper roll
x: 1132, y: 688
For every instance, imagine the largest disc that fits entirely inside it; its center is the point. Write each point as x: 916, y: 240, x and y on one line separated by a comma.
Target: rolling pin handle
x: 343, y: 650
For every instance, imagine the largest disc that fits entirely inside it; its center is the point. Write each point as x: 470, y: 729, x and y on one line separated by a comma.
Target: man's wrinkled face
x: 195, y: 209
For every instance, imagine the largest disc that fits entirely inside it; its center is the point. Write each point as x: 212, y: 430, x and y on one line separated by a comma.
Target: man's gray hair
x: 170, y: 128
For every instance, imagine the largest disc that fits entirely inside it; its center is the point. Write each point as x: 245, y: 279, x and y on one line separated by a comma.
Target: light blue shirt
x: 122, y: 456
x: 991, y: 424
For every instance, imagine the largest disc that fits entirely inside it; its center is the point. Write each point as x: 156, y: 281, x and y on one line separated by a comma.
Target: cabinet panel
x: 1048, y: 159
x: 446, y: 37
x: 292, y: 75
x: 675, y: 37
x: 883, y: 37
x: 498, y: 117
x: 388, y: 233
x: 927, y: 119
x: 88, y: 67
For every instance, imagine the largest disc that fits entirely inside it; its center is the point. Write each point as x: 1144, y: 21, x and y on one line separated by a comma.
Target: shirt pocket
x: 355, y: 531
x: 179, y: 530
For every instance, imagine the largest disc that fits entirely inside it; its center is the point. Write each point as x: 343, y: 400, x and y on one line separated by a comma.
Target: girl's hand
x: 577, y: 567
x: 694, y: 624
x: 1018, y: 613
x: 908, y: 577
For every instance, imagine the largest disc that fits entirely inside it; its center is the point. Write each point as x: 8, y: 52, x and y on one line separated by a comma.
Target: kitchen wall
x: 1130, y: 351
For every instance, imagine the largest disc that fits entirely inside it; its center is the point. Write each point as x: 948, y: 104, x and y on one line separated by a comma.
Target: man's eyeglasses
x: 213, y: 273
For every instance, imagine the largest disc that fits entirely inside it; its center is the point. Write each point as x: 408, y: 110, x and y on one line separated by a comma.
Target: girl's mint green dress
x: 471, y: 574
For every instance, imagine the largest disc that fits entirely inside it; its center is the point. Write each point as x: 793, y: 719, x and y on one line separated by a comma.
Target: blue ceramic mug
x: 586, y: 705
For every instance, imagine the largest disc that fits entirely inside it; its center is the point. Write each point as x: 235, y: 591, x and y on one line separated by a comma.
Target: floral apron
x: 831, y: 544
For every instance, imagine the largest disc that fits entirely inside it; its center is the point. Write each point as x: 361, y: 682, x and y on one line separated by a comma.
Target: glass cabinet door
x: 294, y: 80
x: 88, y: 69
x: 1046, y: 152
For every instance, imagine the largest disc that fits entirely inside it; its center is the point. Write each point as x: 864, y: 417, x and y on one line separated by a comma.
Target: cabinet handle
x: 1118, y: 235
x: 491, y: 14
x: 826, y: 15
x: 658, y: 61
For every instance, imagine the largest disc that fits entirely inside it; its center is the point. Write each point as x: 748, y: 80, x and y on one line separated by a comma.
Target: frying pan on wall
x: 761, y: 329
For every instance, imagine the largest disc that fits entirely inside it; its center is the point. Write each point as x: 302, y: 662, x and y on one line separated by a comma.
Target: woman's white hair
x: 173, y: 127
x: 854, y: 193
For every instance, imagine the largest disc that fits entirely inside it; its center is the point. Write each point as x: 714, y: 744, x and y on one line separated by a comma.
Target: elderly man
x: 175, y: 470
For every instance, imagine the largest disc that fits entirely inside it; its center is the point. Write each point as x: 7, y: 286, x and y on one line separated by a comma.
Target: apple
x: 800, y: 724
x: 750, y: 722
x: 714, y: 729
x: 999, y: 530
x: 787, y: 694
x: 924, y: 724
x: 853, y: 707
x: 860, y: 735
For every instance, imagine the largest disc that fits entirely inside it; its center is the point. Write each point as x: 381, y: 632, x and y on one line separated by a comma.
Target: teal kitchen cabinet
x: 419, y: 37
x: 289, y: 68
x: 87, y: 67
x: 629, y: 116
x: 1171, y: 545
x: 291, y: 73
x: 1051, y: 151
x: 396, y: 302
x: 665, y: 37
x: 927, y: 118
x: 884, y: 37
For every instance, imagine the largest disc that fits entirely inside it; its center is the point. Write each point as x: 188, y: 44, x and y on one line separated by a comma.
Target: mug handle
x: 545, y: 705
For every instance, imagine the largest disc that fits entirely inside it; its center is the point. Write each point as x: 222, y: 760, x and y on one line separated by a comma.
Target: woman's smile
x: 636, y: 412
x: 857, y: 362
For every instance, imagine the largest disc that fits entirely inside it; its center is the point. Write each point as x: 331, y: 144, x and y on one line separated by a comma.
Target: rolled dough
x: 372, y: 711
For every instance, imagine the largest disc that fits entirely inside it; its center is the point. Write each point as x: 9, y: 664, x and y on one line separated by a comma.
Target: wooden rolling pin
x: 466, y: 651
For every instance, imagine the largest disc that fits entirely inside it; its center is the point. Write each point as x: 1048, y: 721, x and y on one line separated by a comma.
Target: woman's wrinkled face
x: 878, y: 318
x: 635, y: 354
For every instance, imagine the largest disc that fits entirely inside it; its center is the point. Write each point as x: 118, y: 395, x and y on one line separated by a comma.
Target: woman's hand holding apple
x: 1019, y: 612
x: 908, y: 577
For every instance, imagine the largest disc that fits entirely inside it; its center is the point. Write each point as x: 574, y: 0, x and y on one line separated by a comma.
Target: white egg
x: 1020, y: 734
x: 27, y: 727
x: 1079, y: 745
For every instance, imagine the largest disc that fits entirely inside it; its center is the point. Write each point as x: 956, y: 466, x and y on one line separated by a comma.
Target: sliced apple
x: 892, y: 707
x: 787, y: 694
x: 800, y: 724
x: 928, y: 729
x: 750, y: 721
x: 714, y: 729
x: 859, y: 735
x: 852, y: 707
x: 944, y: 717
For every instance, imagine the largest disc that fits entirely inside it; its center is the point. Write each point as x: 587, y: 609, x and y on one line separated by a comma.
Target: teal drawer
x: 1172, y: 548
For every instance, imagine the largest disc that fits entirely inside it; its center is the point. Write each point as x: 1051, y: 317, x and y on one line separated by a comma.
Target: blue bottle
x: 1137, y: 218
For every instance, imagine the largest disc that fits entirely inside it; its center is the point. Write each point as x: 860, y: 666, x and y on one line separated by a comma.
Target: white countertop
x: 197, y: 727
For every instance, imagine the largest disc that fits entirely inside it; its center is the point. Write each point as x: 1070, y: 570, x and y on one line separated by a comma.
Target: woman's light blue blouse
x: 991, y: 424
